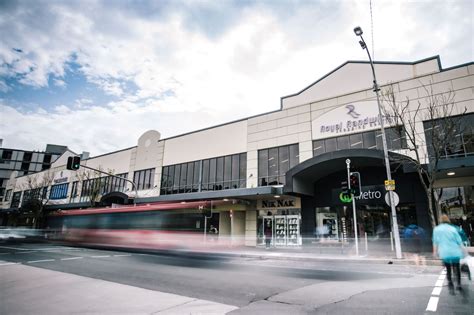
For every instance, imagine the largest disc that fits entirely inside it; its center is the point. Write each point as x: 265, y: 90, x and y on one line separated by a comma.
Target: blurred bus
x: 159, y: 226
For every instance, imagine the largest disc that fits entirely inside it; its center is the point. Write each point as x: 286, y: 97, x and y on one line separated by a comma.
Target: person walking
x: 447, y: 245
x: 268, y: 232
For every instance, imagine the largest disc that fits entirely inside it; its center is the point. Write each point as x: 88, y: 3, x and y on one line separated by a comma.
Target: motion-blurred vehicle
x: 153, y: 226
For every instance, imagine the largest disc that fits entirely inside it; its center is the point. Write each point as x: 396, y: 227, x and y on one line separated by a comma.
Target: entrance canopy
x: 301, y: 178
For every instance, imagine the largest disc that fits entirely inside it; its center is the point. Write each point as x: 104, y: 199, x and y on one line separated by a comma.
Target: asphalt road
x: 254, y: 286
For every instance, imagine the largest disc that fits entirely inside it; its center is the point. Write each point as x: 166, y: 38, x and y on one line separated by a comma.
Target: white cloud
x: 186, y: 67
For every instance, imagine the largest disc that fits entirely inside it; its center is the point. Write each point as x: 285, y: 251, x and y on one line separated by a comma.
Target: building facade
x: 284, y: 169
x: 25, y: 162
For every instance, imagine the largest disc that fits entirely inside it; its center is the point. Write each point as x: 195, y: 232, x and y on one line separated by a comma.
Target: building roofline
x: 108, y: 153
x: 361, y: 62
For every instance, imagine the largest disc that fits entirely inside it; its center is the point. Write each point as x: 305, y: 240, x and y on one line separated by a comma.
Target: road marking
x: 72, y: 258
x: 28, y: 252
x: 434, y: 299
x: 436, y: 291
x: 105, y: 256
x: 38, y: 261
x: 9, y: 263
x: 17, y: 248
x: 432, y: 304
x: 122, y: 255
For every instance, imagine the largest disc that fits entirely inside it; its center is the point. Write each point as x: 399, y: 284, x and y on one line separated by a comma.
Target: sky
x: 95, y: 75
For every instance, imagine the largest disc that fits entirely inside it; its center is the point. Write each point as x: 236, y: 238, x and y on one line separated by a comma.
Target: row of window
x: 100, y: 185
x: 225, y: 172
x: 396, y: 140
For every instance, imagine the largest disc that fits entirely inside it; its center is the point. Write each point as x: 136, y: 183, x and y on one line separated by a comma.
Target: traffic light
x: 73, y: 163
x: 345, y: 188
x: 355, y: 183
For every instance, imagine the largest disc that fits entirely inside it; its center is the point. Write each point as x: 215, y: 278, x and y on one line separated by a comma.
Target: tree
x: 94, y: 184
x: 429, y: 127
x: 36, y: 195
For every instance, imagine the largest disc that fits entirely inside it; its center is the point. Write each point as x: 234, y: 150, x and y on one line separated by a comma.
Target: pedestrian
x: 447, y: 245
x: 213, y: 233
x: 268, y: 233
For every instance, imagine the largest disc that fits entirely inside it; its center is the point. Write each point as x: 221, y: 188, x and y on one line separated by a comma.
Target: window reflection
x: 273, y: 163
x: 225, y: 172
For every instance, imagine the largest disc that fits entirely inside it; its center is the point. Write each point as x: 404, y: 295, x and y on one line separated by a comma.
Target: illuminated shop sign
x: 349, y: 118
x: 369, y: 195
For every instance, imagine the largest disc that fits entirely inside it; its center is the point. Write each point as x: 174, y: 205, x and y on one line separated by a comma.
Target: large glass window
x: 396, y: 140
x: 461, y: 141
x: 273, y: 164
x: 16, y: 199
x: 144, y: 179
x: 224, y: 172
x: 58, y: 191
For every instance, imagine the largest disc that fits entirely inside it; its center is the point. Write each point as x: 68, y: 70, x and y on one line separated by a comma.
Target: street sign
x: 390, y: 184
x: 396, y: 198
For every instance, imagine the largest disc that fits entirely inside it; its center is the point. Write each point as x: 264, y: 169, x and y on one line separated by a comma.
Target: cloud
x: 214, y: 61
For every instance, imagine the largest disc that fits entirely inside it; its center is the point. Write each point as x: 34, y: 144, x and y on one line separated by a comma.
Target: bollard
x: 391, y: 240
x: 366, y: 244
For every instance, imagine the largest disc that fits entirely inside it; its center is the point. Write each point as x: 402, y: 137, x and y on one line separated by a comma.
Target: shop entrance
x: 280, y: 229
x: 337, y: 222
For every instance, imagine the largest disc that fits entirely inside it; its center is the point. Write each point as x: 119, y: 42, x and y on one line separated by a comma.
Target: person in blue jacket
x: 447, y: 244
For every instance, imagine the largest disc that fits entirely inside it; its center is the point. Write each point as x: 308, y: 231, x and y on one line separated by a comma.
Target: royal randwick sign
x: 348, y: 118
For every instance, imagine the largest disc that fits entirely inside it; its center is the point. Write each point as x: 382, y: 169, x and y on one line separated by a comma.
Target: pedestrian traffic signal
x: 73, y: 163
x: 345, y: 188
x: 354, y: 180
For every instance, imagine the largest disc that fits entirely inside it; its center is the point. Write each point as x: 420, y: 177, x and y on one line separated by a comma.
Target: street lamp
x: 396, y: 234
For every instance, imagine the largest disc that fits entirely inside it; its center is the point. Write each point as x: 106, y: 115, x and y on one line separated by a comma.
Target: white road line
x: 17, y: 248
x: 434, y: 299
x: 10, y: 263
x: 38, y: 261
x: 432, y: 304
x: 100, y: 256
x: 32, y: 251
x: 122, y: 255
x: 439, y: 283
x: 72, y: 258
x: 436, y: 291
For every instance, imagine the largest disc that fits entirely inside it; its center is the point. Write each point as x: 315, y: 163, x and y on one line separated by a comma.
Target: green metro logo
x: 346, y: 198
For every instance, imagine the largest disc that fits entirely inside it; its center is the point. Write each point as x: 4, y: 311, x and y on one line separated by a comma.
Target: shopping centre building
x: 286, y: 167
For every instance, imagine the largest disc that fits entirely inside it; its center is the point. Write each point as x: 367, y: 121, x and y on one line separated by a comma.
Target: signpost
x: 389, y: 185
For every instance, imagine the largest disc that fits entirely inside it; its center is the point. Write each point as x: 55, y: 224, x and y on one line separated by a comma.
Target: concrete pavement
x: 31, y: 290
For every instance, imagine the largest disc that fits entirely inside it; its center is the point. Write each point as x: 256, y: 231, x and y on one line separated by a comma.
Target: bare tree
x: 36, y: 195
x: 93, y: 185
x: 430, y: 124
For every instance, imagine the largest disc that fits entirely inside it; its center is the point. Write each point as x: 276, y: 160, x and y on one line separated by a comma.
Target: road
x: 45, y: 278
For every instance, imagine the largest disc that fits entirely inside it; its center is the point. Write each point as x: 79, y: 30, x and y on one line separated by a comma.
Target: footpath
x: 30, y: 290
x: 376, y: 254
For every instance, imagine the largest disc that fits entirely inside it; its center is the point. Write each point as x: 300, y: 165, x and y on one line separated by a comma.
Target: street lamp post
x: 396, y: 234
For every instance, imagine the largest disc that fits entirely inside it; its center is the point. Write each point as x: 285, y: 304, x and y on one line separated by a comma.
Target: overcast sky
x: 95, y: 75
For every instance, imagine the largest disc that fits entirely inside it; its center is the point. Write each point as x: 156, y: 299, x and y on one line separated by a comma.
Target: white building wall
x: 218, y: 141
